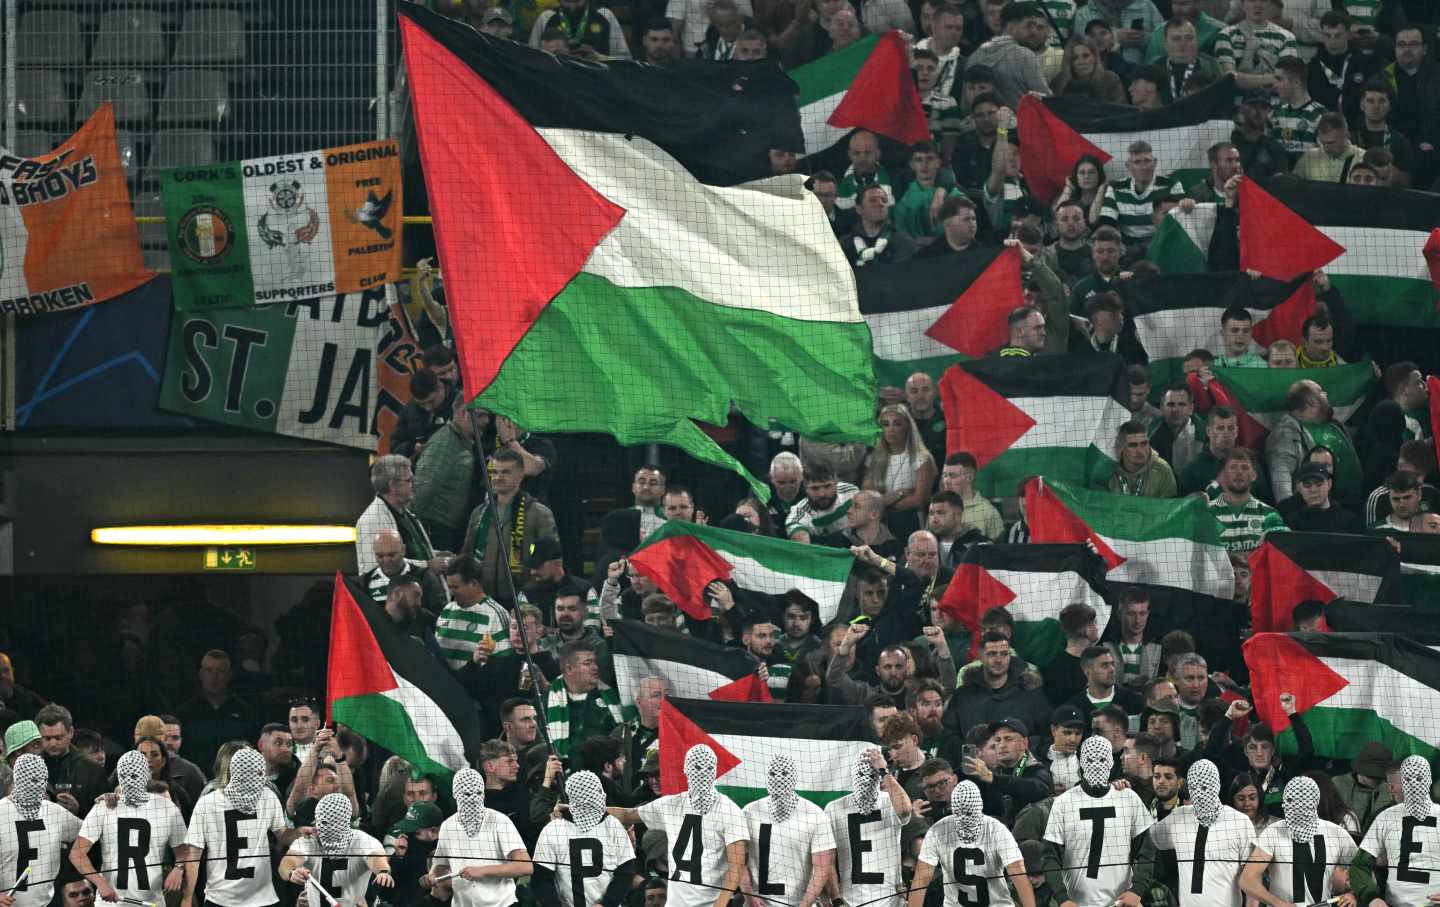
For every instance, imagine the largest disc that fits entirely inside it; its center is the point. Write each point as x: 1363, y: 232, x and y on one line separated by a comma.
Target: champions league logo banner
x: 284, y: 229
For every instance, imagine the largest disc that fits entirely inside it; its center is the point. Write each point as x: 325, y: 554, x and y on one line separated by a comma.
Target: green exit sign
x: 229, y: 558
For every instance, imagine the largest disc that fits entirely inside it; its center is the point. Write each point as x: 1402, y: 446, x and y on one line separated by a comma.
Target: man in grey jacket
x: 1306, y: 405
x: 1015, y: 54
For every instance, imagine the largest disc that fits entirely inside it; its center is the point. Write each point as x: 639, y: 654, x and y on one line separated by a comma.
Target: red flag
x: 1276, y: 241
x: 677, y: 734
x: 1277, y: 585
x: 1051, y: 521
x: 682, y: 566
x: 1286, y: 319
x: 882, y: 97
x: 977, y: 323
x: 1050, y: 149
x: 977, y: 419
x: 973, y: 591
x: 1280, y: 664
x: 1252, y: 431
x: 1432, y: 260
x: 1432, y: 384
x: 749, y: 688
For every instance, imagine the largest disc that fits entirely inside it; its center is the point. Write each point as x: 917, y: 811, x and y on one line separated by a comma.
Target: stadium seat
x: 211, y: 36
x: 179, y: 148
x: 129, y: 148
x: 40, y: 98
x: 194, y: 96
x: 124, y: 88
x: 32, y: 142
x: 152, y: 236
x: 130, y: 36
x: 167, y: 10
x: 50, y: 38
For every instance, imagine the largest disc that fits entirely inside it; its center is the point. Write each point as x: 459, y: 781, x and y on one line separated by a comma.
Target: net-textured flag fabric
x: 1291, y: 567
x: 866, y: 85
x: 691, y: 668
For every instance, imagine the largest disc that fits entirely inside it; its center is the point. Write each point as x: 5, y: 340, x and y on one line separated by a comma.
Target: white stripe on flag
x: 821, y: 765
x: 819, y: 134
x: 757, y: 577
x: 1171, y: 333
x: 1377, y: 252
x: 1175, y: 562
x: 1356, y: 587
x: 1064, y: 421
x: 686, y: 681
x: 1040, y: 596
x: 900, y: 336
x: 1180, y: 148
x: 432, y: 726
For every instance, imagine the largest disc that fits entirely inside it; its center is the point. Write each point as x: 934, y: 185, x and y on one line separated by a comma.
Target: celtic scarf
x: 562, y: 718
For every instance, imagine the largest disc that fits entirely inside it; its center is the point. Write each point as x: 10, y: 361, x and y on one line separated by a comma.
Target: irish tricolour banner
x: 824, y: 740
x: 67, y: 233
x: 281, y: 229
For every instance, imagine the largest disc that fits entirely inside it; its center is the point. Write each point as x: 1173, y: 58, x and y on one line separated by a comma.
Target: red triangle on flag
x: 1050, y: 150
x: 1286, y: 319
x: 677, y: 734
x: 749, y: 688
x: 882, y: 97
x: 500, y: 278
x: 976, y: 323
x: 1276, y: 241
x: 1432, y: 260
x: 357, y: 667
x: 1277, y: 585
x: 1051, y: 521
x: 1278, y: 664
x: 682, y: 566
x: 977, y: 419
x: 1252, y: 430
x: 973, y: 590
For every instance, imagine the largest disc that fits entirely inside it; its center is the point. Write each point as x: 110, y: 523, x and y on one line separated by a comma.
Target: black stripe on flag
x: 1091, y: 117
x: 1417, y: 622
x: 1343, y: 553
x: 777, y: 719
x: 1343, y: 205
x: 637, y: 639
x: 1146, y: 295
x: 921, y: 283
x: 1073, y: 375
x: 1396, y: 652
x: 1046, y: 558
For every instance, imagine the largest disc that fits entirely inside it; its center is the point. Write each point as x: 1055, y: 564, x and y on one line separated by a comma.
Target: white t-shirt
x: 496, y: 840
x: 134, y: 841
x: 972, y: 866
x: 779, y: 854
x: 237, y: 848
x: 1312, y: 872
x: 1099, y: 867
x: 1220, y: 851
x: 347, y: 878
x: 1411, y: 849
x: 696, y: 16
x: 596, y: 852
x: 697, y: 845
x: 867, y: 850
x: 39, y: 843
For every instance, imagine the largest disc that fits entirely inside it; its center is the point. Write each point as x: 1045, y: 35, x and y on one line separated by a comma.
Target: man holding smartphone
x: 1130, y: 20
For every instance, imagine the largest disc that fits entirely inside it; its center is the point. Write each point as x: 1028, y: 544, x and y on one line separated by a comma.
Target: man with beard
x: 866, y: 828
x: 1012, y: 779
x: 1222, y: 433
x: 1308, y: 853
x: 545, y: 562
x: 1014, y: 55
x: 37, y: 835
x: 1210, y: 840
x: 1405, y: 833
x: 1002, y: 689
x: 1096, y: 851
x: 1166, y: 784
x: 792, y: 846
x: 621, y: 530
x: 481, y: 846
x: 820, y: 518
x: 338, y: 859
x: 136, y: 835
x: 974, y: 852
x: 234, y: 827
x: 926, y: 704
x: 584, y: 857
x: 1244, y: 519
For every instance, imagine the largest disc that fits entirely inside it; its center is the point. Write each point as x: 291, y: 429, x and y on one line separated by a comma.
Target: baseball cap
x: 1258, y: 97
x: 544, y: 550
x: 1014, y: 724
x: 421, y: 814
x: 1068, y: 716
x: 498, y: 12
x: 1311, y: 472
x: 20, y: 735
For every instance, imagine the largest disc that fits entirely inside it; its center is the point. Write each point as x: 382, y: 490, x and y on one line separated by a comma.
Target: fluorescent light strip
x: 199, y: 534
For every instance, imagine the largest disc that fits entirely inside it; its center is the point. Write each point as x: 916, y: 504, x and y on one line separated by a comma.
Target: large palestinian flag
x: 683, y: 558
x: 1041, y: 415
x: 1351, y: 688
x: 1033, y: 583
x: 390, y: 690
x: 867, y: 85
x: 1292, y: 567
x: 1419, y: 569
x: 1057, y: 131
x: 692, y: 668
x: 1416, y: 623
x: 1151, y: 541
x: 927, y: 314
x: 1258, y: 394
x: 824, y: 741
x: 632, y: 287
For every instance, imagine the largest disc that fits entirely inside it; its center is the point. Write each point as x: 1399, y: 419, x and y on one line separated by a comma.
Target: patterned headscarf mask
x: 700, y: 765
x: 968, y: 809
x: 782, y: 779
x: 332, y: 823
x: 469, y: 791
x: 27, y: 786
x: 587, y: 800
x: 866, y: 783
x: 133, y: 772
x: 1301, y: 801
x: 1415, y: 785
x: 1203, y: 779
x: 1097, y: 762
x: 247, y: 779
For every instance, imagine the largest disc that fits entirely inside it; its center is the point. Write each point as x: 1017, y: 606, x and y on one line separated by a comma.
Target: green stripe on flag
x: 1001, y: 476
x: 209, y: 240
x: 1340, y: 733
x: 832, y: 73
x: 388, y: 723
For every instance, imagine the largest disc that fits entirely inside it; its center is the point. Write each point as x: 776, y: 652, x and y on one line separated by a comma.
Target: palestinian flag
x: 1258, y: 394
x: 1419, y: 569
x: 692, y: 668
x: 928, y: 314
x: 867, y: 85
x: 1352, y: 688
x: 1057, y: 132
x: 1291, y: 567
x: 1176, y: 313
x: 632, y: 288
x: 390, y: 690
x: 1032, y: 582
x: 683, y: 558
x: 1152, y: 541
x: 1181, y: 244
x: 1035, y: 415
x: 825, y: 741
x: 1415, y: 622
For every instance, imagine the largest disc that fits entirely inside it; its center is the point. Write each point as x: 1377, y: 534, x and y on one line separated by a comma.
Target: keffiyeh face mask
x: 782, y: 788
x: 332, y: 823
x: 700, y: 768
x: 1203, y: 779
x: 587, y: 800
x: 469, y: 791
x: 27, y: 786
x: 1415, y: 784
x: 866, y: 784
x: 133, y: 773
x: 968, y: 809
x: 1097, y: 762
x: 1302, y: 808
x: 247, y: 779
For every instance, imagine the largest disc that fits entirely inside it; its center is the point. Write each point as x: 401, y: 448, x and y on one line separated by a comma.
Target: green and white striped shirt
x: 1295, y: 128
x: 1363, y: 12
x: 1062, y: 15
x: 461, y: 628
x: 1254, y: 50
x: 1136, y: 208
x: 1243, y: 526
x: 1130, y: 660
x: 804, y: 516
